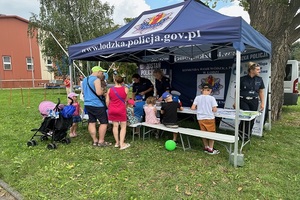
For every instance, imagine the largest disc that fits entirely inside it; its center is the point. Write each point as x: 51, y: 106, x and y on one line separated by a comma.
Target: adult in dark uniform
x: 162, y: 83
x: 141, y: 86
x: 251, y: 94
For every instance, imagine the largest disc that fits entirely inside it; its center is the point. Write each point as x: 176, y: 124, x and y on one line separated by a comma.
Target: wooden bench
x: 224, y: 138
x: 219, y: 137
x: 85, y: 119
x: 134, y: 127
x: 154, y: 127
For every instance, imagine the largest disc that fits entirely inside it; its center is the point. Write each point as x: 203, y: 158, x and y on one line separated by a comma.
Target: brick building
x: 19, y: 55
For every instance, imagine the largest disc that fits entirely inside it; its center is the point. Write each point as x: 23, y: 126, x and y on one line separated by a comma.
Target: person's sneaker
x: 213, y: 152
x: 205, y: 149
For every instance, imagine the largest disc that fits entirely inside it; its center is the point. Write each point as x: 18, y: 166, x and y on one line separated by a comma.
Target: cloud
x: 235, y: 10
x: 22, y: 8
x: 124, y: 9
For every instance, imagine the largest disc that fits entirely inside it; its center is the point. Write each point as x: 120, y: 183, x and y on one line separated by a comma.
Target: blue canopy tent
x: 184, y: 29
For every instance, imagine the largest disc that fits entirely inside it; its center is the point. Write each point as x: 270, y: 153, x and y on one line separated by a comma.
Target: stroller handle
x: 57, y: 105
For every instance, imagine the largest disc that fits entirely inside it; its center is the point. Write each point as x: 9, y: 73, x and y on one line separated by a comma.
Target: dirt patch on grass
x: 291, y: 119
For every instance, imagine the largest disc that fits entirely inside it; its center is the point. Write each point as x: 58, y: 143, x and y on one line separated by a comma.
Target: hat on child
x: 72, y: 94
x: 165, y: 95
x: 131, y: 102
x: 97, y: 69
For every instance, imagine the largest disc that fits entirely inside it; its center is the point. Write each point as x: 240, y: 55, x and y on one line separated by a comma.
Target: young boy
x: 169, y: 112
x: 206, y: 105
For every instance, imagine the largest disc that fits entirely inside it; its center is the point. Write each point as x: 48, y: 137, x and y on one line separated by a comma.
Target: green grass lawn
x: 145, y: 170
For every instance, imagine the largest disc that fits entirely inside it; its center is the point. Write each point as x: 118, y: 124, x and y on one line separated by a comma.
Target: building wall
x: 15, y: 42
x: 45, y: 74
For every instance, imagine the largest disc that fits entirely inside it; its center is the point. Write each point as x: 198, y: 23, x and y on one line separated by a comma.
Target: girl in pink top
x: 76, y: 114
x: 150, y: 111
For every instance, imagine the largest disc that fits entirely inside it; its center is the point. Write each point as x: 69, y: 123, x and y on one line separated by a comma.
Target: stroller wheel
x: 66, y: 140
x: 31, y: 143
x: 51, y: 146
x: 44, y: 138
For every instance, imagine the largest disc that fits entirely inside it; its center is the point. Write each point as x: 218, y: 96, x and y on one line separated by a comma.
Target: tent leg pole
x: 237, y: 105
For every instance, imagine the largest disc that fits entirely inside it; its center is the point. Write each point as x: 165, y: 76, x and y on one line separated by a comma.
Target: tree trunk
x: 273, y: 20
x: 280, y: 56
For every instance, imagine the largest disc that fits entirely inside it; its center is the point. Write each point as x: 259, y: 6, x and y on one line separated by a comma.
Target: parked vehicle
x: 291, y: 82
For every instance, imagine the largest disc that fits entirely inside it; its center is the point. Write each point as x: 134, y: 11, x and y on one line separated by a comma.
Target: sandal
x: 72, y: 135
x: 95, y: 144
x: 125, y: 146
x: 104, y: 144
x: 117, y: 145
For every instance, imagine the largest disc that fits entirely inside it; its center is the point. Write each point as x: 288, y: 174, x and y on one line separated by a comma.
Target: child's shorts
x: 76, y: 119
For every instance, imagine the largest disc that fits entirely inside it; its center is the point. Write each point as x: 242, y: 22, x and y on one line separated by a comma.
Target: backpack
x: 68, y: 111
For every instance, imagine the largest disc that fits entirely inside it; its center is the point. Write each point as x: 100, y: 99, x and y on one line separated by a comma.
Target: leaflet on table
x: 248, y: 114
x: 230, y: 113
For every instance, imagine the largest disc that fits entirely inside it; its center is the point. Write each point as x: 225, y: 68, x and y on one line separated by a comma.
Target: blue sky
x: 24, y: 8
x: 161, y: 3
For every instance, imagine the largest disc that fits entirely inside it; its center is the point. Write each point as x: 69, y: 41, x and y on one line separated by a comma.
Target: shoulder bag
x: 113, y: 88
x: 101, y: 98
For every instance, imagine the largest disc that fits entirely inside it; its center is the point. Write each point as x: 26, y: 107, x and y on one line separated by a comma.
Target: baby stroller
x: 57, y: 121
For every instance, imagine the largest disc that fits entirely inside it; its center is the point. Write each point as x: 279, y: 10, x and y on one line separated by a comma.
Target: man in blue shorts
x: 95, y: 106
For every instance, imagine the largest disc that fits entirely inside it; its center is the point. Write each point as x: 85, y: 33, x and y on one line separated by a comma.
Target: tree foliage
x: 70, y: 22
x: 279, y: 21
x: 295, y: 53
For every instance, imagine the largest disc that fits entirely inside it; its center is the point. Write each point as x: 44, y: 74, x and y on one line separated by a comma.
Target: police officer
x: 251, y: 93
x: 162, y: 83
x: 141, y: 86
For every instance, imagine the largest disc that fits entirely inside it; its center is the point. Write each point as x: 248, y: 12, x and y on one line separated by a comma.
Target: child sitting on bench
x: 150, y: 113
x: 169, y: 112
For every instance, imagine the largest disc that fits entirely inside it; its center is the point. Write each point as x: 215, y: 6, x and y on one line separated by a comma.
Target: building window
x: 29, y: 62
x: 48, y: 62
x: 6, y: 62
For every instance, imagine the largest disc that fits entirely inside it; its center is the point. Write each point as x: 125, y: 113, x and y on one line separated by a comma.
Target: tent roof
x: 185, y: 29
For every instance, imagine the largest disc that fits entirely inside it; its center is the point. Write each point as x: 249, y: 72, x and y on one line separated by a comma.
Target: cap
x: 176, y: 93
x: 97, y: 69
x: 72, y: 94
x: 206, y: 85
x: 131, y: 102
x: 138, y: 97
x: 165, y: 95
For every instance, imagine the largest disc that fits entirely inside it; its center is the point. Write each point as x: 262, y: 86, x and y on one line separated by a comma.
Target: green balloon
x: 170, y: 145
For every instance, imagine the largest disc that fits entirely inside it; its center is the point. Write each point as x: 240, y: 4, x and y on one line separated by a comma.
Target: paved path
x: 8, y: 193
x: 4, y: 195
